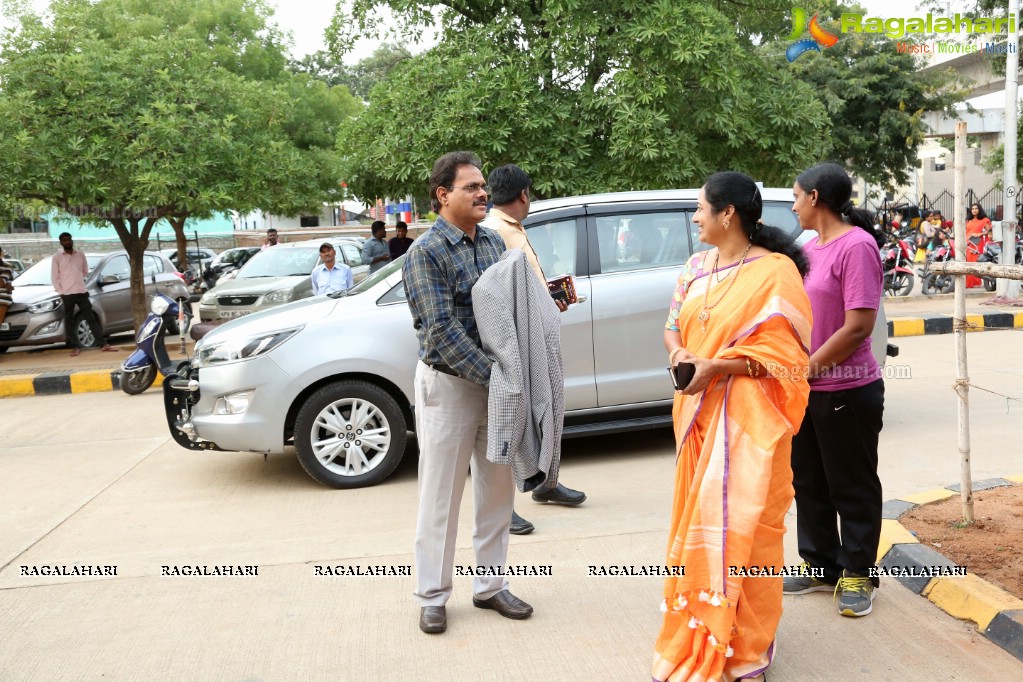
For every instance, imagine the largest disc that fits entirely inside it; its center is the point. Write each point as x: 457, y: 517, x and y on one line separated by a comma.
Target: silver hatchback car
x: 333, y: 375
x: 275, y: 276
x: 36, y: 315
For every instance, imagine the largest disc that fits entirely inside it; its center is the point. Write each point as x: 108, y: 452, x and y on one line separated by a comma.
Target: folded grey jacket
x: 520, y: 329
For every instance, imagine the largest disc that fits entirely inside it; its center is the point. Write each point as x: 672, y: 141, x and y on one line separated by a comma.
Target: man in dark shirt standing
x: 374, y: 251
x: 399, y: 245
x: 451, y: 387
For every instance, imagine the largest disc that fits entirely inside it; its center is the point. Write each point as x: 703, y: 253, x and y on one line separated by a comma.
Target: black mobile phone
x: 681, y: 374
x: 560, y: 295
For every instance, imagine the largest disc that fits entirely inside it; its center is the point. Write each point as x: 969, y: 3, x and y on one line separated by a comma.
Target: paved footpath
x: 51, y: 371
x: 95, y: 480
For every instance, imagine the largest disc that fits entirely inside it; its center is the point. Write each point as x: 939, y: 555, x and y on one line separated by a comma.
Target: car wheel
x: 87, y: 331
x: 350, y: 434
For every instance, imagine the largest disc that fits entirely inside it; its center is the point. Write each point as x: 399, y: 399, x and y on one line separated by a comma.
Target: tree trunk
x: 178, y: 223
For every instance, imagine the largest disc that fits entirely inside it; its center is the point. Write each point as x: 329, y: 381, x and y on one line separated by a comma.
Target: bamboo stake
x: 978, y: 269
x: 962, y: 385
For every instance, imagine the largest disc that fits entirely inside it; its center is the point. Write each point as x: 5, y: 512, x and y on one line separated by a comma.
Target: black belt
x: 444, y: 369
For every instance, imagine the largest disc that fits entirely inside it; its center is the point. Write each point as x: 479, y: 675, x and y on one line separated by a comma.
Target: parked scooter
x: 898, y: 268
x: 138, y: 372
x: 932, y: 280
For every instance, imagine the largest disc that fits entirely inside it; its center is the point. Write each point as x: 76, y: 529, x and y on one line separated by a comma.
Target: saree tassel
x: 693, y: 623
x: 729, y: 652
x: 664, y: 606
x: 715, y: 600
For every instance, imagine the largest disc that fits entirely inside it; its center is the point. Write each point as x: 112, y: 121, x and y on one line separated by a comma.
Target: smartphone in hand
x: 682, y: 374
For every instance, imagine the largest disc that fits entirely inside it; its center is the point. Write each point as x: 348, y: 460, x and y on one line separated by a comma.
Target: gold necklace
x: 707, y: 307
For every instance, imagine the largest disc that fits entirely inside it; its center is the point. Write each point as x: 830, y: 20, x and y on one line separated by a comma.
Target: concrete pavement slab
x: 179, y: 507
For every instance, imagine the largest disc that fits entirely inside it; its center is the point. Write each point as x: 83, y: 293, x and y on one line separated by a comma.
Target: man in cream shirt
x: 509, y: 192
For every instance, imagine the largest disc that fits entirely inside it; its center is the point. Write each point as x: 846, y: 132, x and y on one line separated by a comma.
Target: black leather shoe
x: 505, y: 603
x: 560, y: 495
x: 433, y: 619
x: 519, y: 526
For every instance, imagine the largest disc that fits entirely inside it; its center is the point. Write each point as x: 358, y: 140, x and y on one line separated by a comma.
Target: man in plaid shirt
x: 451, y: 383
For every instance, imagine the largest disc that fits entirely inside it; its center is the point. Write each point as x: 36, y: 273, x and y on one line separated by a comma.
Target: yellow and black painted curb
x: 997, y: 614
x: 60, y: 383
x: 942, y: 324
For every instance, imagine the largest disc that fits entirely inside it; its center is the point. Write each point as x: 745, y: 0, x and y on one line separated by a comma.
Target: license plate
x: 5, y: 326
x: 233, y: 313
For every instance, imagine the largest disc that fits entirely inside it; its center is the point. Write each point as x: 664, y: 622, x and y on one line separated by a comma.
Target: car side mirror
x: 108, y: 279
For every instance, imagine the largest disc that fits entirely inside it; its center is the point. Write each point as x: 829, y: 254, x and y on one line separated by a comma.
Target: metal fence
x: 992, y: 200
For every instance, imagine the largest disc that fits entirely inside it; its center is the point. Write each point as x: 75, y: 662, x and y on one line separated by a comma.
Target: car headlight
x: 279, y: 296
x: 237, y: 348
x: 45, y: 306
x: 209, y: 298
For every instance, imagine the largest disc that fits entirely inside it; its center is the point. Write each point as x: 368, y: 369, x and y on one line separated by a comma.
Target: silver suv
x: 37, y: 316
x: 333, y: 375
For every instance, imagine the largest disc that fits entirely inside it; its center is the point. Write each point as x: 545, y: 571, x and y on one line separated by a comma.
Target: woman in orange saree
x: 741, y: 316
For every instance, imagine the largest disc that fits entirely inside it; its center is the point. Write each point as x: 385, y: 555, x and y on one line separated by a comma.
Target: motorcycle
x: 993, y: 254
x: 898, y: 270
x: 933, y: 282
x: 138, y: 372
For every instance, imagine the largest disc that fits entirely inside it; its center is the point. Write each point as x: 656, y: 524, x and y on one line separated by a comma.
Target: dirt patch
x: 991, y: 548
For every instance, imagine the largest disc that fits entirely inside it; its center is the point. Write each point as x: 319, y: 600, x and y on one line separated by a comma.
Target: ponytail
x: 777, y: 240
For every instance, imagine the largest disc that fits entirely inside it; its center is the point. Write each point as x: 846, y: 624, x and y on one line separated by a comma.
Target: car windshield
x: 233, y: 256
x: 380, y: 275
x: 39, y: 275
x: 281, y: 262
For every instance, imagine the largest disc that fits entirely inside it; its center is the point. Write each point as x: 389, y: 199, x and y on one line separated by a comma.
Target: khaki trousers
x: 451, y: 427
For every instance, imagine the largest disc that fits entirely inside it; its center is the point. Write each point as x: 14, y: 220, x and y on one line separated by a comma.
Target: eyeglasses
x: 472, y: 189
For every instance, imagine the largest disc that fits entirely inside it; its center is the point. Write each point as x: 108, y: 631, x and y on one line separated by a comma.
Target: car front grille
x: 12, y: 334
x: 236, y: 300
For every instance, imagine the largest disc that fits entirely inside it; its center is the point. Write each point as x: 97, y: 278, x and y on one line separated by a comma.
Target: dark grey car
x: 36, y: 316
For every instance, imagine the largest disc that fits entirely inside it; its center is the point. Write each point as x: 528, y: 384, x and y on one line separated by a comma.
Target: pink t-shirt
x: 845, y: 274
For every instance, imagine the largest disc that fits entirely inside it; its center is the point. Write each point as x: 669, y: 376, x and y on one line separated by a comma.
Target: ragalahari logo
x: 818, y: 36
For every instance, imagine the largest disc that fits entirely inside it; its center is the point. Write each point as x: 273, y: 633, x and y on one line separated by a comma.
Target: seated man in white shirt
x: 330, y: 276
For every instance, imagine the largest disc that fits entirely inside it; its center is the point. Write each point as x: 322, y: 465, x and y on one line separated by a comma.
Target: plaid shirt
x: 440, y: 270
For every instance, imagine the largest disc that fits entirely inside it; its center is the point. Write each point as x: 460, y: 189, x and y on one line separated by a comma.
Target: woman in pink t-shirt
x: 834, y: 454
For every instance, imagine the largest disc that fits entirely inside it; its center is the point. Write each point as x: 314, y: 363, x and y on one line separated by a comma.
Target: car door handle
x: 580, y: 299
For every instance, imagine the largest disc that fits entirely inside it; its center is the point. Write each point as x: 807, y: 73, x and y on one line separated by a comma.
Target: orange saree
x: 733, y: 481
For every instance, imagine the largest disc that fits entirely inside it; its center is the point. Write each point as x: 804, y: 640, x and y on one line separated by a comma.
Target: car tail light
x: 182, y: 277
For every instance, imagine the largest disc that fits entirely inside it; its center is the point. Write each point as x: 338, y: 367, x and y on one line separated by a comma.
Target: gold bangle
x: 749, y: 370
x: 671, y: 357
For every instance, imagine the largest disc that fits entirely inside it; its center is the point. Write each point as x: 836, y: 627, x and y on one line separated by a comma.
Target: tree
x: 131, y: 128
x: 876, y: 99
x: 360, y: 78
x: 239, y: 36
x: 587, y: 96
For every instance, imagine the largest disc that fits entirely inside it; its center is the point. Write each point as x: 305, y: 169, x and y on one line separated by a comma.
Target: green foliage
x: 126, y: 127
x: 586, y: 96
x: 876, y: 100
x: 360, y: 78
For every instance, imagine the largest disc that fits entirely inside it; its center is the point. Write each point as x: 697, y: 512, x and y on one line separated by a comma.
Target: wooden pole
x: 978, y: 269
x: 962, y: 385
x: 1009, y: 288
